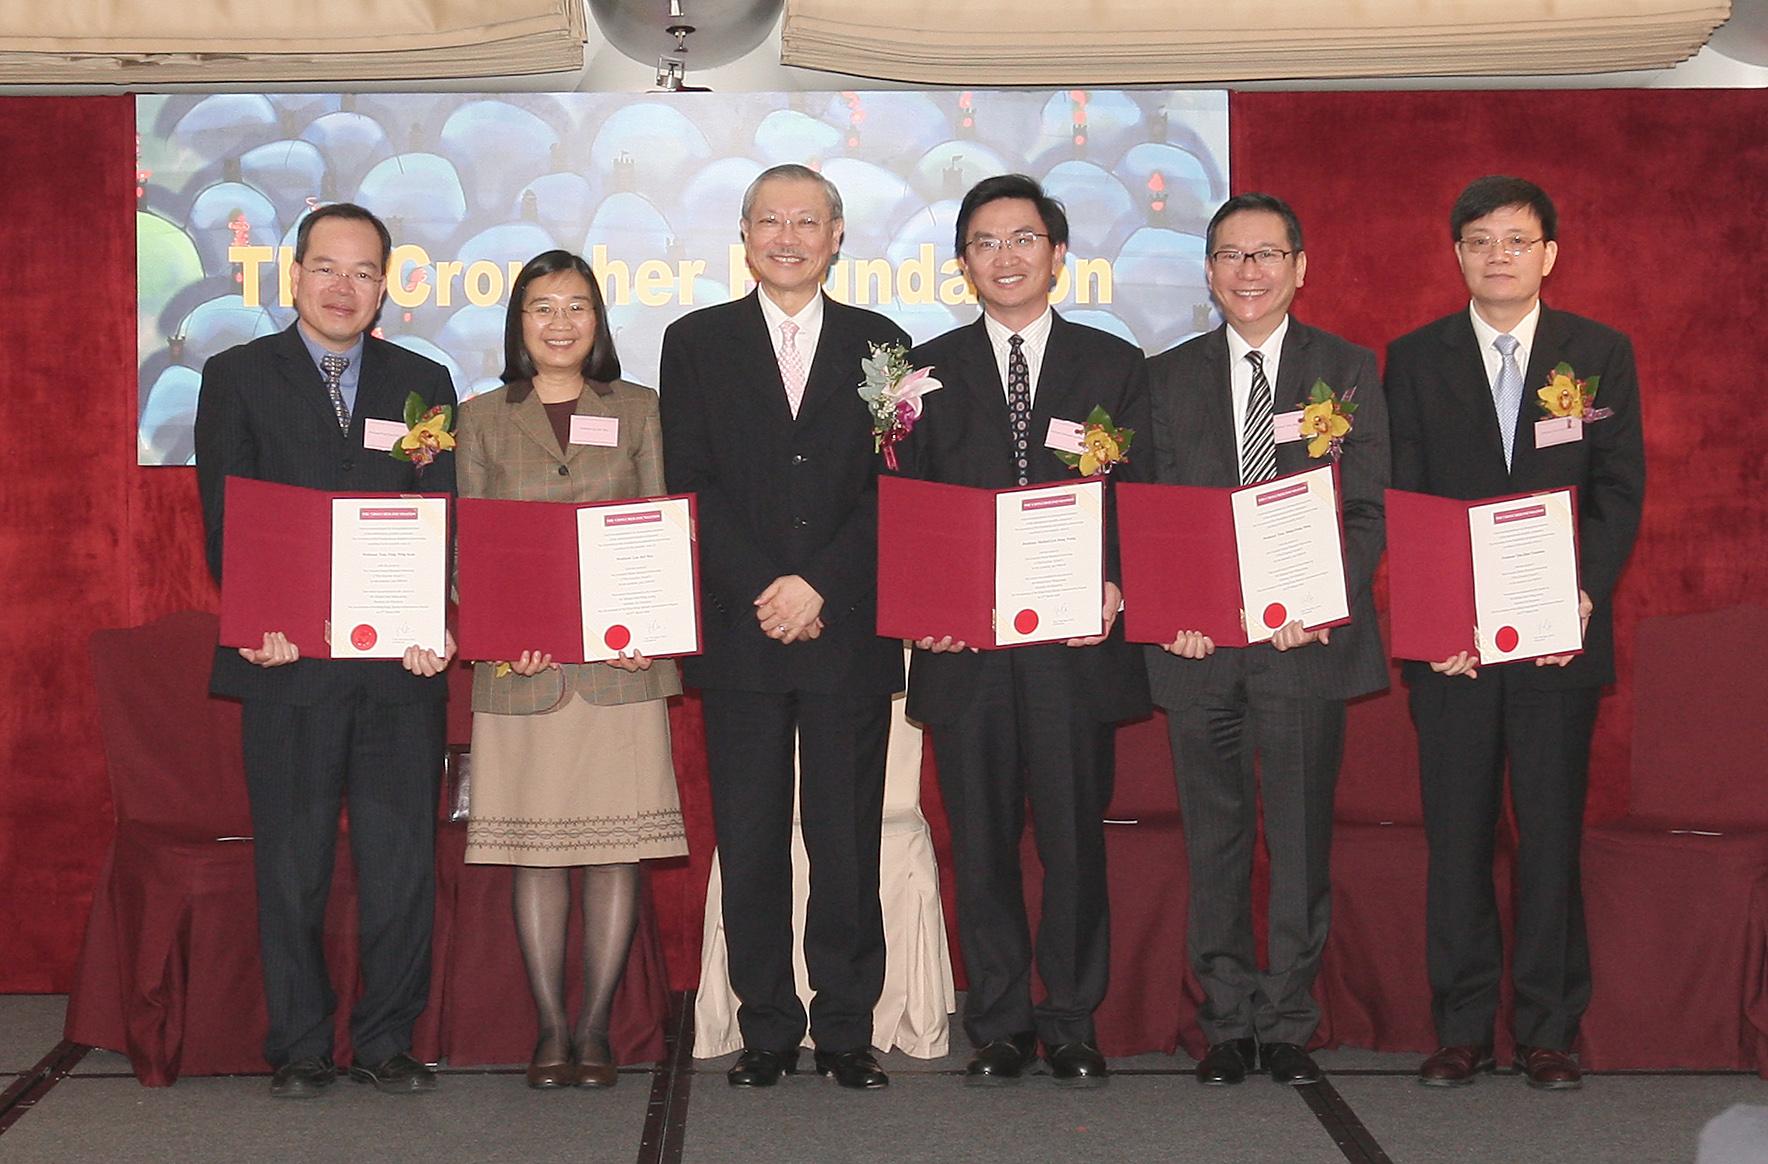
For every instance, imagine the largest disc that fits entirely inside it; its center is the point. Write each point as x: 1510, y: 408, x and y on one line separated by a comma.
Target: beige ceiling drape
x: 134, y: 43
x: 1032, y: 42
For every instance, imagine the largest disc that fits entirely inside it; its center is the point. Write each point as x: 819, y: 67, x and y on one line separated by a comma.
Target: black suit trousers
x: 1020, y: 739
x: 302, y: 763
x: 1466, y: 729
x: 841, y: 748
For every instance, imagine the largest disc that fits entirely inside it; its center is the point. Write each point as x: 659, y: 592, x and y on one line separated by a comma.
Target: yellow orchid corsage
x: 1103, y: 445
x: 427, y: 432
x: 1326, y: 420
x: 1566, y: 395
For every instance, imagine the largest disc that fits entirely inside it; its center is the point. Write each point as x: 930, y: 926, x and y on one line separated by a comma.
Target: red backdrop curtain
x: 1661, y: 195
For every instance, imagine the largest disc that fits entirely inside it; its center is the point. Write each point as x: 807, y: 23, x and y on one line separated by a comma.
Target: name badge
x: 603, y: 432
x: 382, y: 435
x: 1066, y: 436
x: 1558, y: 430
x: 1286, y: 426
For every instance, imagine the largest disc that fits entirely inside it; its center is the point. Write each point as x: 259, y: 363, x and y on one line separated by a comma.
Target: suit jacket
x: 779, y: 495
x: 507, y: 451
x: 1446, y: 442
x: 1194, y: 441
x: 263, y: 412
x: 963, y: 438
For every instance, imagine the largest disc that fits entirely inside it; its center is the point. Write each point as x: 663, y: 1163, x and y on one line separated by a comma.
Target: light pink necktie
x: 791, y: 366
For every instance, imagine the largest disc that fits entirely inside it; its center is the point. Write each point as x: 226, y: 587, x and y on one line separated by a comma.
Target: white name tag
x: 1066, y: 436
x: 1287, y: 426
x: 1558, y: 430
x: 603, y: 432
x: 382, y: 435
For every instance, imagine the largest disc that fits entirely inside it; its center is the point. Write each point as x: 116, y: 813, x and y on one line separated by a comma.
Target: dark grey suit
x: 1286, y: 708
x: 316, y: 729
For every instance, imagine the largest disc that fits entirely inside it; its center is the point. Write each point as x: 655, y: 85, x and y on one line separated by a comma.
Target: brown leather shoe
x: 1549, y: 1070
x: 593, y: 1064
x: 1455, y: 1066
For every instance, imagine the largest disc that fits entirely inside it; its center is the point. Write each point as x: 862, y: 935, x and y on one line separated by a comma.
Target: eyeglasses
x: 987, y: 244
x: 361, y: 280
x: 1482, y: 245
x: 547, y: 312
x: 1264, y: 256
x: 777, y: 224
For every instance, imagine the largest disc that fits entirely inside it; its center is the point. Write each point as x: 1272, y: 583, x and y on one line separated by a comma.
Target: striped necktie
x: 1258, y: 443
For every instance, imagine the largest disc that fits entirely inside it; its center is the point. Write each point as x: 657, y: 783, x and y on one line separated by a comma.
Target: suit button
x: 346, y: 466
x: 800, y: 522
x: 564, y: 471
x: 799, y: 458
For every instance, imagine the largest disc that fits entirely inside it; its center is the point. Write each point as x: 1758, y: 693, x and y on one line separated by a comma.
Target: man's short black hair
x: 348, y: 211
x: 1013, y: 186
x: 1253, y: 200
x: 1495, y: 192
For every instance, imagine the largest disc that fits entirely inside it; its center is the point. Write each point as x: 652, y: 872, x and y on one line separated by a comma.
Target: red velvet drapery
x: 1661, y: 197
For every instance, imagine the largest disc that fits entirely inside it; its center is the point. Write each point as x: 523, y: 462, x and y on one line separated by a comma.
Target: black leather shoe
x: 1289, y: 1064
x: 852, y: 1069
x: 1227, y: 1062
x: 1077, y: 1065
x: 396, y: 1075
x: 1000, y: 1062
x: 303, y: 1078
x: 757, y: 1068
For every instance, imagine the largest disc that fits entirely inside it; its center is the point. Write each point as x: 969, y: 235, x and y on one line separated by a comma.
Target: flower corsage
x: 1326, y: 420
x: 1567, y: 396
x: 428, y: 432
x: 892, y: 393
x: 1103, y: 446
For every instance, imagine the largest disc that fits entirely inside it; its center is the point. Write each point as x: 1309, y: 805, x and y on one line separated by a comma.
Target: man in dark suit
x: 763, y: 420
x: 1464, y: 393
x: 1216, y: 402
x: 1032, y: 723
x: 292, y: 408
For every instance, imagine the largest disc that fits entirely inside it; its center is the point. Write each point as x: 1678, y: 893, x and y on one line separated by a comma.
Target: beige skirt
x: 582, y: 785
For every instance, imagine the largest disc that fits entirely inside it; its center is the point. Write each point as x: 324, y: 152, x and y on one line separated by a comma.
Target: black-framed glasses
x: 1264, y: 256
x: 987, y: 244
x: 1513, y: 245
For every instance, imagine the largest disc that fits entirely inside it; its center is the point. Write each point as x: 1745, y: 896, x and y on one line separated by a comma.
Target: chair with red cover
x: 1675, y: 891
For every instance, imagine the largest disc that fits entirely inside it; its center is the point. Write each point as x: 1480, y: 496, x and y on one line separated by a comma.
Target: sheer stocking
x: 610, y: 915
x: 542, y: 901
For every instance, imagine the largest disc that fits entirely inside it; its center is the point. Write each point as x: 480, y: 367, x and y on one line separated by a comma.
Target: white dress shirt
x: 1036, y: 335
x: 810, y: 326
x: 1240, y: 377
x: 1484, y: 333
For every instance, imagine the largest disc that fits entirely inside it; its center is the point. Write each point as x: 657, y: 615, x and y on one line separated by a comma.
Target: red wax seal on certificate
x: 1025, y: 621
x: 1275, y: 615
x: 618, y: 638
x: 1506, y: 639
x: 363, y: 637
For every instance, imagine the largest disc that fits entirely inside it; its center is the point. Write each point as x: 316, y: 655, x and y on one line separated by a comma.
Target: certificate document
x: 389, y: 571
x: 1291, y: 554
x: 1525, y: 577
x: 1049, y: 563
x: 636, y: 579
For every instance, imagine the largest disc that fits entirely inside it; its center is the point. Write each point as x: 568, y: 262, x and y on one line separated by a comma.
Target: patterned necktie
x: 333, y: 367
x: 791, y: 366
x: 1019, y: 406
x: 1258, y: 442
x: 1507, y: 393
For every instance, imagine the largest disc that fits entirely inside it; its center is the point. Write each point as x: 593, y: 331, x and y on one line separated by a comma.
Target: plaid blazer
x: 506, y: 450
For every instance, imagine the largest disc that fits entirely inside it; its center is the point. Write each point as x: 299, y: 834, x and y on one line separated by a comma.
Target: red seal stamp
x: 618, y: 638
x: 1025, y: 621
x: 363, y: 637
x: 1506, y: 639
x: 1275, y: 615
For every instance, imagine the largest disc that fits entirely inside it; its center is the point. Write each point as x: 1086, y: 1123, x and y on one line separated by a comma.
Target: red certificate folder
x: 936, y: 561
x: 518, y: 579
x: 1430, y: 574
x: 276, y: 563
x: 1181, y: 564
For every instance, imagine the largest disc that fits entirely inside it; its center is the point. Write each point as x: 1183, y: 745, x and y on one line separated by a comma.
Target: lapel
x: 528, y: 416
x: 754, y: 365
x: 1465, y: 385
x: 376, y: 395
x: 592, y: 403
x: 305, y: 384
x: 988, y: 396
x: 1215, y: 436
x: 1295, y: 380
x: 1547, y: 350
x: 826, y: 377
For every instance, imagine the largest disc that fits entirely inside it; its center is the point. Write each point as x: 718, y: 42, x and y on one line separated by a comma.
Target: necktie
x: 1258, y: 440
x: 333, y: 367
x: 1019, y: 406
x: 1507, y: 393
x: 792, y: 372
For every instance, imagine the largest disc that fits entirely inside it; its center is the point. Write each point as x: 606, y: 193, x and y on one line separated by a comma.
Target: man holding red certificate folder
x: 1475, y: 416
x: 1234, y: 407
x: 1033, y: 722
x: 301, y: 407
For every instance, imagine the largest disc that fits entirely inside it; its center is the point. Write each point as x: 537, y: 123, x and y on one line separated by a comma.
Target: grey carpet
x: 30, y: 1025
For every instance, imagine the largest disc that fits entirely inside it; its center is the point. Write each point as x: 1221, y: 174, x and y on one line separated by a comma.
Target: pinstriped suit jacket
x: 506, y: 451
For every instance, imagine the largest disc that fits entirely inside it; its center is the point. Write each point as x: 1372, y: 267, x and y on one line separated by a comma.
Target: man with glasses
x: 1466, y: 398
x: 761, y: 419
x: 296, y: 408
x: 1264, y: 725
x: 1033, y: 723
